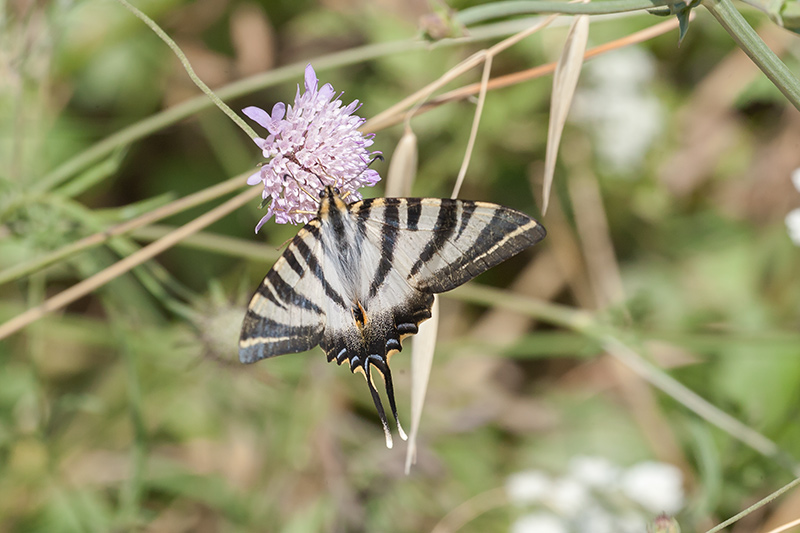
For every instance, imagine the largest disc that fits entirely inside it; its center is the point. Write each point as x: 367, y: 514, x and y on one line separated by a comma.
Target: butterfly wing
x: 287, y: 314
x: 442, y: 243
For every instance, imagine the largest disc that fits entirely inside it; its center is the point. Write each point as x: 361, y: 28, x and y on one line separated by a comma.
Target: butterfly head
x: 328, y: 192
x: 330, y: 200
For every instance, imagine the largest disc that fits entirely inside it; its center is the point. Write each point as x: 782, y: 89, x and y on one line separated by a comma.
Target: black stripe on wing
x: 391, y: 222
x: 413, y: 213
x: 262, y: 337
x: 443, y: 229
x: 467, y: 208
x: 316, y: 269
x: 287, y: 294
x: 508, y: 233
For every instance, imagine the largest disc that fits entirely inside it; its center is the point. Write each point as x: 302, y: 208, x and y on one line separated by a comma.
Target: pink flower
x: 310, y: 145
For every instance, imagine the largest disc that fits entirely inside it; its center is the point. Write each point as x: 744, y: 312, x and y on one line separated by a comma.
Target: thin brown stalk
x: 396, y: 113
x: 117, y: 269
x: 96, y: 239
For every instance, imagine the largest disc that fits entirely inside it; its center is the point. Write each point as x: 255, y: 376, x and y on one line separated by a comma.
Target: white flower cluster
x: 595, y: 496
x: 619, y: 108
x: 793, y: 218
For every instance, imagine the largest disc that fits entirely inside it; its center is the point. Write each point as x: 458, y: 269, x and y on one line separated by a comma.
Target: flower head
x: 310, y: 145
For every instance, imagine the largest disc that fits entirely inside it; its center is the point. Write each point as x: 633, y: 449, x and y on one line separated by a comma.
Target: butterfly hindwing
x: 287, y: 314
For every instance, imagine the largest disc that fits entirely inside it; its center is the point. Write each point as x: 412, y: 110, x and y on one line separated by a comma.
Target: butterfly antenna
x: 386, y: 372
x: 378, y: 405
x: 290, y: 175
x: 375, y: 157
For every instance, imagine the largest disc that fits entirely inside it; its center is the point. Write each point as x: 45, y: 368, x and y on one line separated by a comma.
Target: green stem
x: 749, y: 41
x: 755, y: 506
x: 493, y: 10
x: 215, y: 243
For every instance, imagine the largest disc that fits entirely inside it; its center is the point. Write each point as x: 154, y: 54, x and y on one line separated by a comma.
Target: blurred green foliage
x: 129, y: 411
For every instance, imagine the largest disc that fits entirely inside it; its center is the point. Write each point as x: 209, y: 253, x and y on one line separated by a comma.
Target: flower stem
x: 189, y: 70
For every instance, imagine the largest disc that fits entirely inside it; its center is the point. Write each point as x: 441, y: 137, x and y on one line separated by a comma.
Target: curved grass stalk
x: 213, y: 242
x: 759, y: 504
x: 397, y: 113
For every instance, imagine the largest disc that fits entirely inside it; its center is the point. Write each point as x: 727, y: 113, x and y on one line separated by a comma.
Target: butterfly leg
x: 383, y: 368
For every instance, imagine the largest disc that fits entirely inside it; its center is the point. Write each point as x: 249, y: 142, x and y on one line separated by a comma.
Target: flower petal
x: 310, y: 79
x: 278, y: 111
x: 264, y: 220
x: 255, y: 178
x: 326, y: 93
x: 258, y: 115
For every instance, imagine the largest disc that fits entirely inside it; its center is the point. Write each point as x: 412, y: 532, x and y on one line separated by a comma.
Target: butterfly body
x: 360, y: 277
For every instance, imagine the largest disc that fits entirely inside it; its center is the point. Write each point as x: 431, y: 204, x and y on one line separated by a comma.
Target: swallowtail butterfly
x: 359, y: 278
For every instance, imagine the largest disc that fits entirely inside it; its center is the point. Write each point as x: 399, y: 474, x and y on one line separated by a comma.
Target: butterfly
x: 359, y: 278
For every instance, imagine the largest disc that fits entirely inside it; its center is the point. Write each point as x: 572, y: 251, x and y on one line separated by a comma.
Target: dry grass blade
x: 473, y: 134
x: 565, y: 80
x: 120, y: 267
x: 395, y: 115
x: 403, y: 166
x: 422, y: 350
x: 412, y: 102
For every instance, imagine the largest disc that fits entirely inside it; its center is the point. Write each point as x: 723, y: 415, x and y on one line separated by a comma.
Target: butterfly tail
x: 383, y: 368
x: 378, y: 405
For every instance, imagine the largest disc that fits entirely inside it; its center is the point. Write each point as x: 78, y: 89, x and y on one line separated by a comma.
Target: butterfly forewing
x: 443, y: 243
x: 359, y: 278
